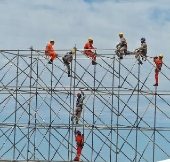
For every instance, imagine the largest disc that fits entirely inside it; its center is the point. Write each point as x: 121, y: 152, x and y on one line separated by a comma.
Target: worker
x: 121, y: 46
x: 80, y: 143
x: 89, y: 53
x: 79, y: 106
x: 50, y: 51
x: 141, y: 51
x: 67, y: 59
x: 158, y: 63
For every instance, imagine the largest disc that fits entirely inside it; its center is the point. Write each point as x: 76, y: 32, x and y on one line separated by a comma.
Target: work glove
x: 136, y: 50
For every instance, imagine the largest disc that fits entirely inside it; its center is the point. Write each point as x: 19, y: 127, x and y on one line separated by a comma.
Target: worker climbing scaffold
x: 79, y: 106
x: 141, y: 51
x: 80, y: 143
x: 67, y: 59
x: 121, y: 46
x: 89, y: 53
x: 158, y: 63
x: 49, y: 51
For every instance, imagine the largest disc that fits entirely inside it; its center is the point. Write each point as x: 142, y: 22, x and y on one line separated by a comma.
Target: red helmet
x: 79, y: 95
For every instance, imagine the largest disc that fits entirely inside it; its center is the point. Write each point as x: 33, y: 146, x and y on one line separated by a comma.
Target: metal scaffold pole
x: 124, y: 118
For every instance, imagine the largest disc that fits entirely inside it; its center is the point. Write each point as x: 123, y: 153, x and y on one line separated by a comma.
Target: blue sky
x: 34, y: 23
x: 70, y: 22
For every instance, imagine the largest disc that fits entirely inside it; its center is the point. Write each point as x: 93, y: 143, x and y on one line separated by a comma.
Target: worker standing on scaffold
x: 79, y: 106
x: 80, y: 143
x: 121, y: 46
x: 67, y: 59
x: 158, y: 63
x: 141, y: 51
x: 89, y: 53
x: 50, y: 51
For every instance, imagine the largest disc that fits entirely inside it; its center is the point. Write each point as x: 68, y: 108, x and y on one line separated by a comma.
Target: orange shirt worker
x: 50, y: 51
x: 80, y: 144
x: 89, y: 53
x: 158, y: 63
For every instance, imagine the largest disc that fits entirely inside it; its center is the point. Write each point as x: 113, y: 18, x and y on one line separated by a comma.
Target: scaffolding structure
x: 124, y: 117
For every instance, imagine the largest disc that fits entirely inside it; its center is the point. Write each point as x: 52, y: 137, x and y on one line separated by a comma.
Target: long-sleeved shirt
x: 88, y: 45
x: 80, y: 140
x: 79, y: 102
x: 158, y: 63
x: 68, y: 57
x: 122, y: 43
x: 49, y: 49
x: 143, y: 48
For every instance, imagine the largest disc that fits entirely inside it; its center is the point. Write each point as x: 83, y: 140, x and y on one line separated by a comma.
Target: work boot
x: 140, y: 62
x: 155, y: 84
x: 94, y: 63
x: 76, y: 119
x: 72, y: 118
x: 69, y: 74
x: 50, y: 62
x: 144, y: 57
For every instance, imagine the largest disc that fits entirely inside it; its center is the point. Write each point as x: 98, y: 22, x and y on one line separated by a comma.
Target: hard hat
x: 120, y: 33
x: 161, y: 55
x: 78, y: 132
x: 78, y: 95
x: 52, y: 40
x: 90, y: 39
x: 143, y: 39
x: 73, y: 51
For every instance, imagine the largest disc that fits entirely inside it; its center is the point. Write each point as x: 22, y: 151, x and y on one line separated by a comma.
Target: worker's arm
x: 155, y: 58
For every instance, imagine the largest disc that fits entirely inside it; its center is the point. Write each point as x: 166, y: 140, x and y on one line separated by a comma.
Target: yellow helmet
x: 90, y: 39
x: 73, y: 52
x: 52, y: 40
x: 161, y: 55
x: 120, y: 34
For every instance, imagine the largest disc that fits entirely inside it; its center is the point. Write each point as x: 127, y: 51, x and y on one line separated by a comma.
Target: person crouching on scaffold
x: 121, y: 46
x: 88, y: 52
x: 50, y: 51
x: 141, y: 51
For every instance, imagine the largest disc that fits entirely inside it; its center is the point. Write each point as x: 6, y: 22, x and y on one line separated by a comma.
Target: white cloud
x: 72, y: 22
